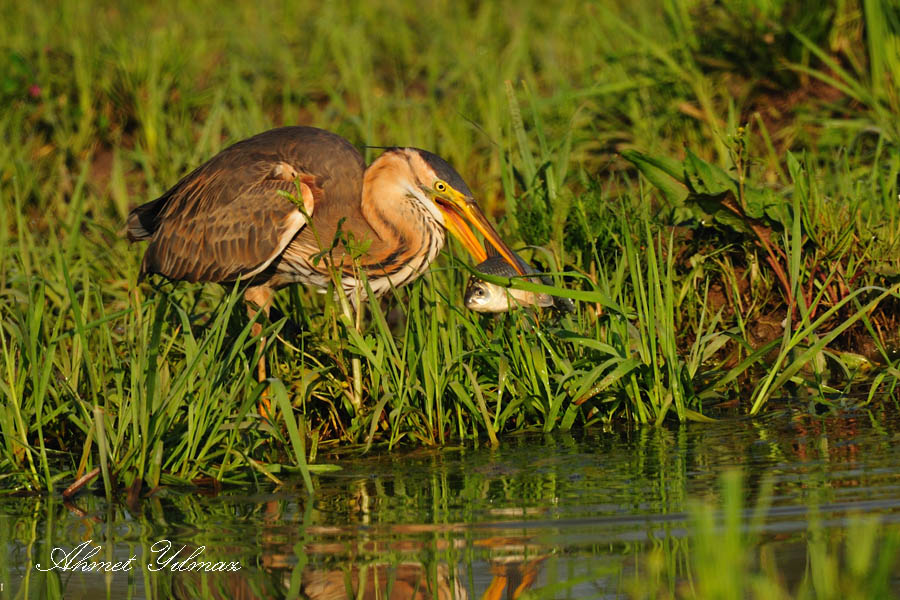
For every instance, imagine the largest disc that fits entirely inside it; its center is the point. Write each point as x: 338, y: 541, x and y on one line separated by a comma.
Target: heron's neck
x: 407, y: 237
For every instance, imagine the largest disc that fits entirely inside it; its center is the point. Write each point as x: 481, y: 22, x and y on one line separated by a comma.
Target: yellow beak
x: 459, y: 210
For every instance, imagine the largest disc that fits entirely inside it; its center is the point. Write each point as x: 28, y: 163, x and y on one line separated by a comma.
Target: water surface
x: 561, y: 516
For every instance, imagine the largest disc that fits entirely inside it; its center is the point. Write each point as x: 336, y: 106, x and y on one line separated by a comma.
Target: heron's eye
x: 440, y: 186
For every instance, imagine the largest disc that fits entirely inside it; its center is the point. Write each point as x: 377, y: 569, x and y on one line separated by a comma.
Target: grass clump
x: 729, y: 557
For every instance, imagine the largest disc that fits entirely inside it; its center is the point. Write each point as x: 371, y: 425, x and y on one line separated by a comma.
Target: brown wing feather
x: 227, y: 218
x: 223, y: 222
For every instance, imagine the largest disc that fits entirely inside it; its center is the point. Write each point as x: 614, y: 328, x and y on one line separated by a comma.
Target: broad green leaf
x: 705, y: 178
x: 664, y: 173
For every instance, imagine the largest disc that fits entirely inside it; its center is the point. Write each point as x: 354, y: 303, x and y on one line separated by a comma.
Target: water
x: 565, y: 516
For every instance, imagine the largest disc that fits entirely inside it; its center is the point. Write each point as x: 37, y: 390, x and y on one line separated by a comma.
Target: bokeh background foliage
x: 718, y: 181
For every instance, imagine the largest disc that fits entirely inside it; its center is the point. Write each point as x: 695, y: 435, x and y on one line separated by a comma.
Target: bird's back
x: 227, y: 218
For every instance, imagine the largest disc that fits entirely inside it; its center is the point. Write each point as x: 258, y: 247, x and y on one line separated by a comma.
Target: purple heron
x: 231, y: 218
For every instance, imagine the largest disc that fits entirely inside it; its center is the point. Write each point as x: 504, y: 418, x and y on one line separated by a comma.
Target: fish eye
x: 440, y: 186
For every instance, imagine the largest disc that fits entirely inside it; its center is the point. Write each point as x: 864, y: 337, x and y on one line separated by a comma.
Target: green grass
x: 571, y: 122
x: 727, y: 557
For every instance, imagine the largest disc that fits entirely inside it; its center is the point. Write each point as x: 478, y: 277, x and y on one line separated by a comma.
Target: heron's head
x: 430, y: 180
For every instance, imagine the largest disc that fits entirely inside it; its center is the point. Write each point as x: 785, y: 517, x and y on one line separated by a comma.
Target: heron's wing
x: 230, y: 218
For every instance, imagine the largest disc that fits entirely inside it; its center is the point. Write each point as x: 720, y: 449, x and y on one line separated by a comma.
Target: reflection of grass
x: 625, y: 521
x: 728, y: 557
x: 108, y: 107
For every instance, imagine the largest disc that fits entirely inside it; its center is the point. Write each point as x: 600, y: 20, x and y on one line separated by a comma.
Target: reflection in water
x: 391, y: 582
x: 335, y: 579
x: 403, y: 581
x: 511, y: 578
x: 407, y: 581
x: 590, y: 509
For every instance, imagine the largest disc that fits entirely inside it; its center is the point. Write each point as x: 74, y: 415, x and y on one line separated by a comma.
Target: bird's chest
x: 392, y: 262
x: 411, y: 257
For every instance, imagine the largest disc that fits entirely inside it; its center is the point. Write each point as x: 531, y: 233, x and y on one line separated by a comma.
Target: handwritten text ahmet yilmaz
x: 164, y: 555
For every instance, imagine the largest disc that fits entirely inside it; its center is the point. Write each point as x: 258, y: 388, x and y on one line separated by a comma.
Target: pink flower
x: 34, y: 90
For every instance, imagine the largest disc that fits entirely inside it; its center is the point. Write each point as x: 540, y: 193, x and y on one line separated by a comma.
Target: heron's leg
x: 258, y: 298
